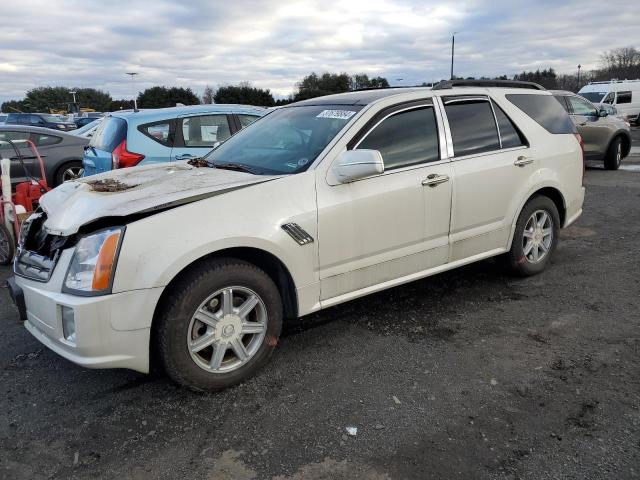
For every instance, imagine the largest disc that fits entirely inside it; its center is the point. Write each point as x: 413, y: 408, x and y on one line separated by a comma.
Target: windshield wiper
x: 235, y: 166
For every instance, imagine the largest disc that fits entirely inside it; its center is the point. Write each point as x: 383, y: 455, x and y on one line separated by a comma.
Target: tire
x: 68, y: 171
x: 521, y: 258
x: 613, y: 158
x: 7, y: 247
x: 203, y: 292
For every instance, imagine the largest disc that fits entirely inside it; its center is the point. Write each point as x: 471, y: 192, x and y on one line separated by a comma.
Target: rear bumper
x: 574, y: 209
x: 103, y: 338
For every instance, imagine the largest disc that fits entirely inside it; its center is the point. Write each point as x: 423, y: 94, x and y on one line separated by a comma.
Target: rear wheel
x: 614, y: 155
x: 7, y: 247
x: 535, y: 237
x: 219, y: 326
x: 69, y: 171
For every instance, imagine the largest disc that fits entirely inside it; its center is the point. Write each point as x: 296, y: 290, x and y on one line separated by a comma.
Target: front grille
x: 38, y: 251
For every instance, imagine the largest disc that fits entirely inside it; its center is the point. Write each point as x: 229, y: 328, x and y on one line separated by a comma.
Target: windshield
x: 51, y: 118
x: 594, y: 97
x: 285, y: 141
x: 87, y: 127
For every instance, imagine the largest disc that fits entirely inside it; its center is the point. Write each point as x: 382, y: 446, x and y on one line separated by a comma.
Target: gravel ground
x: 467, y: 374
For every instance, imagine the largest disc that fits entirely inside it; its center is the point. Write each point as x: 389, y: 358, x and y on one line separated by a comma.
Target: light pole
x: 74, y: 96
x: 579, y: 67
x: 135, y: 99
x: 453, y: 45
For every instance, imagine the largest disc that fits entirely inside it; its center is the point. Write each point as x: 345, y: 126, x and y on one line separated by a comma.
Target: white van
x: 624, y: 94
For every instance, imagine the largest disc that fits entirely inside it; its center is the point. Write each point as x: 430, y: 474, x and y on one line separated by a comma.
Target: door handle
x: 522, y: 161
x: 185, y: 156
x: 434, y: 180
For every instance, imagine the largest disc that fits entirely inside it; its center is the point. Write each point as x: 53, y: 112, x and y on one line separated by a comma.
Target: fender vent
x: 296, y: 232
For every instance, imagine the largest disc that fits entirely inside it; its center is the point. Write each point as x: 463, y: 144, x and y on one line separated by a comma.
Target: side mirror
x: 353, y: 165
x: 602, y: 112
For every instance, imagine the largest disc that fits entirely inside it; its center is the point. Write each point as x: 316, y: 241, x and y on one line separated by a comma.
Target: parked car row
x: 197, y: 264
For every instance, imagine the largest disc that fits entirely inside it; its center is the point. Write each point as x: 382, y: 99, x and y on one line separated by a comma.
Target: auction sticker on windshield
x: 339, y: 114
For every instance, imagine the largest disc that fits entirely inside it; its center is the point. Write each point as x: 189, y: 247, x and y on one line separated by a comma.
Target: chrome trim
x: 495, y: 119
x: 465, y: 99
x: 434, y: 180
x: 440, y: 121
x: 298, y: 233
x: 447, y: 129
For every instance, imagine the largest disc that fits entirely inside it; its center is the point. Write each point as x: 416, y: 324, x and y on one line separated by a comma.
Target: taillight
x: 584, y: 166
x: 122, y: 158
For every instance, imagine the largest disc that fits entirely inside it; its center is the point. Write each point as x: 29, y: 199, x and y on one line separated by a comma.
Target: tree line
x: 621, y: 63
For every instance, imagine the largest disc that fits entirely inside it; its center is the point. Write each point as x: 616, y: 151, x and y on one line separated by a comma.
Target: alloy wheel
x: 227, y: 329
x: 537, y: 237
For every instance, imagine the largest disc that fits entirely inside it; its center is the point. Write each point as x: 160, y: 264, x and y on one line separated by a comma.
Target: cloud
x: 273, y: 44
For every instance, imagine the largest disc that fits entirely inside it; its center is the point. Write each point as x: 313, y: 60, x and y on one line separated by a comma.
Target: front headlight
x: 94, y: 263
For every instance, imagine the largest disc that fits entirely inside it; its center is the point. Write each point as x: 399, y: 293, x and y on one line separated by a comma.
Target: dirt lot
x: 468, y: 374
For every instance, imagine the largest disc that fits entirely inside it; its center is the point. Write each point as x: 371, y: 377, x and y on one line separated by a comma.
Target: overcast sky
x: 274, y: 43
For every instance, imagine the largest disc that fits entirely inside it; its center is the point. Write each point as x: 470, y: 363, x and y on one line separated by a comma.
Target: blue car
x: 130, y: 138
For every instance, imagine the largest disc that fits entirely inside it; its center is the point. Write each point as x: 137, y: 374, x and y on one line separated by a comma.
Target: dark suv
x: 45, y: 120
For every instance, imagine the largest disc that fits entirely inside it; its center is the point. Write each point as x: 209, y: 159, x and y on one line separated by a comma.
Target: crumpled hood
x: 136, y: 190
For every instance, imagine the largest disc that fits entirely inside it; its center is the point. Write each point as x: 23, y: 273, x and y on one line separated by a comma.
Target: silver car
x: 606, y: 137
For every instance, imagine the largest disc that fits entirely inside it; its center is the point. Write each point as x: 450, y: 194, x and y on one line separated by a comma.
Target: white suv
x: 197, y: 265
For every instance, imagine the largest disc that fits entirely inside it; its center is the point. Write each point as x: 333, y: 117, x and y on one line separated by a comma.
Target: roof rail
x: 446, y: 84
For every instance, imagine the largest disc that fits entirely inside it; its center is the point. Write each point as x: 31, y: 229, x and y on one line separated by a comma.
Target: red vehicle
x: 16, y: 205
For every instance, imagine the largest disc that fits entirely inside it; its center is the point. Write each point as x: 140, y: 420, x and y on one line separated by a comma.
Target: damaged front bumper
x: 108, y: 331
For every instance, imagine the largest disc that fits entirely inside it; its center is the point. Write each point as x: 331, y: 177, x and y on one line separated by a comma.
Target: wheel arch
x: 266, y: 261
x: 550, y: 192
x: 60, y: 165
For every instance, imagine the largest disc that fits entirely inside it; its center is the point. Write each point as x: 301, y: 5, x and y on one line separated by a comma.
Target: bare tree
x: 207, y: 96
x: 620, y: 63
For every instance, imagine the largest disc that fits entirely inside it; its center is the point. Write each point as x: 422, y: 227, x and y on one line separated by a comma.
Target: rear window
x: 545, y: 110
x: 110, y: 133
x: 624, y: 97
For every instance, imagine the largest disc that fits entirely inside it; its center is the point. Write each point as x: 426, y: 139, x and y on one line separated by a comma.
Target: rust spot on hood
x: 199, y: 162
x: 109, y: 185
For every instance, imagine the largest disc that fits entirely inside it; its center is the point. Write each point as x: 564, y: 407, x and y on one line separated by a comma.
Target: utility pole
x: 135, y: 99
x: 453, y: 45
x: 579, y: 67
x: 74, y: 96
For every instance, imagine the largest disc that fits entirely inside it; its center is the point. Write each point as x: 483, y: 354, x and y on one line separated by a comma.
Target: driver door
x: 379, y: 229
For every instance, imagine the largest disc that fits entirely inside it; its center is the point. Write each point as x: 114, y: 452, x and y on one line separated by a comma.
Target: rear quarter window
x: 545, y: 110
x: 110, y: 133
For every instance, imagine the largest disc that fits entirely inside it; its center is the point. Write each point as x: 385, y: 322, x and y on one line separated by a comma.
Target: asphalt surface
x: 468, y: 374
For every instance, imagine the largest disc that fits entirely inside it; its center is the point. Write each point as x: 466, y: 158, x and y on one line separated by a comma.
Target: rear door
x: 491, y: 164
x: 111, y: 132
x: 196, y: 135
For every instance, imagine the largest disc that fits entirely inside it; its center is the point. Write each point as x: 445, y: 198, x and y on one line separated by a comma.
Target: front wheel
x: 535, y: 237
x: 219, y: 325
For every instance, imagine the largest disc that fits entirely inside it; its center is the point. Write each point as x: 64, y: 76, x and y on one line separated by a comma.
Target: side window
x: 160, y: 132
x: 581, y: 107
x: 44, y: 140
x: 405, y: 138
x: 35, y: 120
x: 610, y: 98
x: 205, y: 130
x: 246, y: 120
x: 6, y: 135
x: 510, y: 136
x: 473, y: 128
x: 624, y: 97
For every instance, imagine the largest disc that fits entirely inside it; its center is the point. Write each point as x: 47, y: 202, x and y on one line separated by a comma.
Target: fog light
x: 68, y: 324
